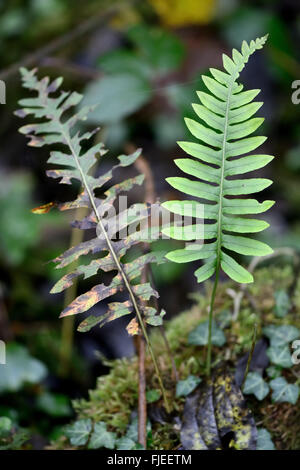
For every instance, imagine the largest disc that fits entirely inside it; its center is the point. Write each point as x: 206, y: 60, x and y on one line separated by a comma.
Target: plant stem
x: 250, y: 356
x: 142, y: 403
x: 67, y: 332
x: 210, y: 319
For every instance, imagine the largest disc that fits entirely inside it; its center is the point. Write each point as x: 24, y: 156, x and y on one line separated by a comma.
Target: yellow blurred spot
x: 43, y: 209
x: 125, y: 17
x: 184, y: 12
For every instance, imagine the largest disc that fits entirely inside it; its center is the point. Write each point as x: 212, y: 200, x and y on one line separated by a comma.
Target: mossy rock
x: 115, y: 396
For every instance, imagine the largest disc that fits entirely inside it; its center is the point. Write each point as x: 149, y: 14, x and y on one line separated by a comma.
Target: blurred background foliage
x: 142, y: 65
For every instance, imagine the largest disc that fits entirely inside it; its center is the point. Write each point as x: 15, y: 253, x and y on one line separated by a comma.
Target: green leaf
x: 264, y: 440
x: 79, y: 432
x: 282, y: 303
x: 116, y: 97
x: 6, y: 425
x: 223, y: 132
x: 281, y: 335
x: 246, y: 246
x: 54, y: 404
x: 206, y: 271
x: 20, y: 369
x: 158, y: 47
x: 283, y: 391
x: 125, y: 443
x: 152, y: 395
x: 256, y: 385
x: 101, y: 437
x: 199, y: 336
x: 234, y: 270
x: 185, y: 387
x: 20, y: 227
x: 280, y: 356
x: 273, y: 371
x: 126, y: 61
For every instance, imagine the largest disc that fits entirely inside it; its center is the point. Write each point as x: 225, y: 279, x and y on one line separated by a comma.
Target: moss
x: 115, y: 396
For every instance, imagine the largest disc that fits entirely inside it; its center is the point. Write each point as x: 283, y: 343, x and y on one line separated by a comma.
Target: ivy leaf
x: 125, y: 443
x: 282, y: 303
x: 20, y: 368
x: 161, y: 49
x: 116, y: 97
x: 273, y: 372
x: 79, y: 432
x: 185, y: 387
x: 124, y: 60
x: 283, y: 391
x: 6, y: 425
x: 281, y: 335
x: 199, y: 336
x: 264, y: 441
x: 280, y: 356
x: 256, y: 385
x: 101, y: 437
x: 152, y: 395
x: 54, y: 404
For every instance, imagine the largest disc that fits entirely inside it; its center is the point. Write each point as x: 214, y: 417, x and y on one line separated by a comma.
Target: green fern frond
x: 226, y: 122
x: 74, y: 162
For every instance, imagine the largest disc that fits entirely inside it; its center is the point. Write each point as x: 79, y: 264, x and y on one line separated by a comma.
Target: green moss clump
x: 115, y: 396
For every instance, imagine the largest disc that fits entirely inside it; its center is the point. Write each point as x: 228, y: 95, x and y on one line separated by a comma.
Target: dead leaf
x: 216, y: 416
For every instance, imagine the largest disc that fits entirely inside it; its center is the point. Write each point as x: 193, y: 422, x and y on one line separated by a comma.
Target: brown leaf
x: 133, y: 327
x: 44, y: 209
x: 86, y: 301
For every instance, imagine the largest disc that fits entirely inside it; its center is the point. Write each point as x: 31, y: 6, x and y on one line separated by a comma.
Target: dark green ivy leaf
x: 79, y: 432
x: 199, y: 336
x: 282, y: 303
x: 185, y: 387
x: 101, y: 437
x: 283, y: 391
x: 264, y: 441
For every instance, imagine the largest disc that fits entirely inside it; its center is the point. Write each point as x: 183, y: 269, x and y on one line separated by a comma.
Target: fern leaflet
x: 226, y: 123
x: 74, y: 162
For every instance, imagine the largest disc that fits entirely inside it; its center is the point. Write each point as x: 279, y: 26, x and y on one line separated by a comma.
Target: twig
x: 6, y: 332
x: 142, y: 402
x: 150, y: 196
x: 67, y: 67
x: 58, y: 43
x: 250, y: 356
x: 67, y: 332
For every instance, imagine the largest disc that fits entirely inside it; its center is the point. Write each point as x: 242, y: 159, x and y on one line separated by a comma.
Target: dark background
x: 143, y: 66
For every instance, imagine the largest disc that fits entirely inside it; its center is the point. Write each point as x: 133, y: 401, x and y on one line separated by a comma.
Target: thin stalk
x: 210, y: 319
x: 219, y: 234
x: 250, y: 356
x: 142, y: 403
x: 118, y: 264
x: 67, y: 332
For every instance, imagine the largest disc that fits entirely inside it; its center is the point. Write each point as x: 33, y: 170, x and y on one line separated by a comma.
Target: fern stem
x: 250, y: 355
x: 219, y: 236
x: 210, y: 320
x: 118, y: 264
x: 67, y: 331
